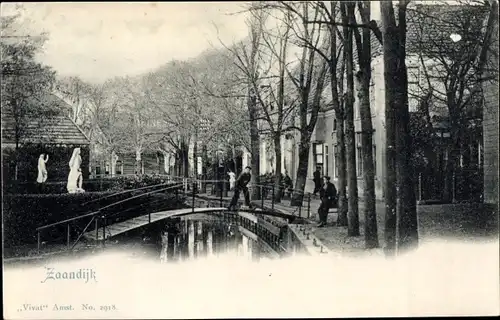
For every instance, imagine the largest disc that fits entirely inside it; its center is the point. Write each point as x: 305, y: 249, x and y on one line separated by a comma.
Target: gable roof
x: 55, y: 127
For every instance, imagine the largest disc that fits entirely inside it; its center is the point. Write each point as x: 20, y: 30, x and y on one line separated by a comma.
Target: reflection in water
x: 188, y: 239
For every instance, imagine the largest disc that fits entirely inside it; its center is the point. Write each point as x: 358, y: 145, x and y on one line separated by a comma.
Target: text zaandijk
x: 80, y: 274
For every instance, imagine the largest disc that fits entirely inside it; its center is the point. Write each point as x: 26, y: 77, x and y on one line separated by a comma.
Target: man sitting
x: 328, y: 196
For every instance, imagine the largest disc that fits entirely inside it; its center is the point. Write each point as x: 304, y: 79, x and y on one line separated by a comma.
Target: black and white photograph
x: 250, y: 159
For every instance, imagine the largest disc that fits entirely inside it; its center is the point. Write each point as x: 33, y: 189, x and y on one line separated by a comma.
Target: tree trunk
x: 364, y: 77
x: 277, y: 181
x: 390, y: 45
x: 371, y: 236
x: 254, y: 144
x: 338, y: 105
x: 300, y: 182
x: 450, y: 167
x: 185, y: 159
x: 342, y: 174
x: 204, y: 162
x: 352, y: 184
x: 394, y: 50
x: 406, y: 206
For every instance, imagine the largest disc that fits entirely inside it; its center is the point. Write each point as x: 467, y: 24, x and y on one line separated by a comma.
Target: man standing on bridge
x: 241, y: 185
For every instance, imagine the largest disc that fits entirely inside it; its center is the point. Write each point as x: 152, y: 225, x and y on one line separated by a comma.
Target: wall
x: 490, y: 129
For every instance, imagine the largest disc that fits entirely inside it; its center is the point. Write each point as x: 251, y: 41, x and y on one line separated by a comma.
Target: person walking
x: 328, y: 196
x: 241, y: 185
x: 317, y: 180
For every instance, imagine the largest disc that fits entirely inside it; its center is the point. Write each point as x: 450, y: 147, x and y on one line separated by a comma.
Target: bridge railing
x: 97, y: 216
x: 300, y: 201
x: 181, y: 186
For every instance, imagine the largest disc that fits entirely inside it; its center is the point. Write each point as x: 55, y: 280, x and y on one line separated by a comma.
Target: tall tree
x: 363, y: 45
x: 452, y: 71
x: 348, y: 17
x: 248, y: 60
x: 401, y: 215
x: 24, y: 82
x: 308, y: 78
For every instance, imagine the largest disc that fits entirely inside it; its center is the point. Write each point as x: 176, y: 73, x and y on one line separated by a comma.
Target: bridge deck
x: 134, y: 223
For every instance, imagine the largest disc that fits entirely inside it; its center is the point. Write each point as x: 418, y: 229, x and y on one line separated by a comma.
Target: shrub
x: 110, y: 184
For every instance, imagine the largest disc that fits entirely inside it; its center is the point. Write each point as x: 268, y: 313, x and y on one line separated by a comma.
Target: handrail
x: 67, y: 220
x: 124, y: 191
x: 96, y: 212
x: 140, y: 195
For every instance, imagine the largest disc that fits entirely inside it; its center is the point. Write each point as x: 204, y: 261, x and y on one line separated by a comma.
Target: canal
x: 198, y: 236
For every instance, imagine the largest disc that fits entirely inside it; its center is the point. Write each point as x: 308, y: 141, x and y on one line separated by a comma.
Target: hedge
x: 23, y: 213
x: 117, y: 183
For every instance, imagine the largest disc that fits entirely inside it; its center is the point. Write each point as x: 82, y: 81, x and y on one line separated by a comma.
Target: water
x: 191, y: 238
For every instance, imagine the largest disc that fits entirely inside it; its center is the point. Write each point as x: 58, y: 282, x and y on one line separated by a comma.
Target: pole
x: 103, y: 231
x: 309, y: 206
x: 194, y: 188
x: 272, y: 200
x: 96, y: 229
x: 262, y: 196
x: 38, y: 237
x: 220, y: 198
x: 67, y: 235
x: 420, y: 186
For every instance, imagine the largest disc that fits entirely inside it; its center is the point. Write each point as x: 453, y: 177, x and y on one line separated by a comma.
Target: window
x: 359, y: 154
x: 318, y: 156
x: 334, y: 124
x: 119, y: 167
x: 326, y: 161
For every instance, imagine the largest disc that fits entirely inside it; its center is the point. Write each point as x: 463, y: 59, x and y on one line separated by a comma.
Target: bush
x: 108, y: 184
x: 24, y: 213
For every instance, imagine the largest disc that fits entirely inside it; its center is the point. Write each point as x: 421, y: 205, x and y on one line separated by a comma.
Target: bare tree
x: 401, y: 214
x: 363, y: 44
x: 347, y: 10
x: 25, y: 83
x: 452, y: 70
x: 308, y: 79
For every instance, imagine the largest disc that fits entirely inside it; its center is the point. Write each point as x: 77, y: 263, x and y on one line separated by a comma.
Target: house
x: 54, y: 133
x: 323, y: 151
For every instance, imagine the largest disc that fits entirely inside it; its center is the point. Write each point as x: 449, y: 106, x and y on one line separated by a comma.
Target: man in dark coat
x: 328, y: 196
x: 317, y: 180
x: 241, y: 185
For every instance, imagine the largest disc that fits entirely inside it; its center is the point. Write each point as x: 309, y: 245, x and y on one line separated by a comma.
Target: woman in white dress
x: 42, y: 169
x: 232, y: 179
x: 74, y: 172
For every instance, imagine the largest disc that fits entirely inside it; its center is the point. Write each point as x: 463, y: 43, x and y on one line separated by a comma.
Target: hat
x: 327, y: 178
x: 248, y: 167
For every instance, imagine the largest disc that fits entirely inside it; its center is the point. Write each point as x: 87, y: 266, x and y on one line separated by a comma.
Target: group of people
x: 75, y: 177
x: 327, y: 192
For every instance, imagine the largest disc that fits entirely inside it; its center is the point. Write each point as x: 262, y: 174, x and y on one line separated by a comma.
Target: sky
x: 98, y: 41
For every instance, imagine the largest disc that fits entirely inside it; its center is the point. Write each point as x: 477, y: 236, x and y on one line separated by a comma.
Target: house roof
x: 54, y: 127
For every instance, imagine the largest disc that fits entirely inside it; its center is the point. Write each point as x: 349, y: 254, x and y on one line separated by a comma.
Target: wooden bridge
x: 118, y: 228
